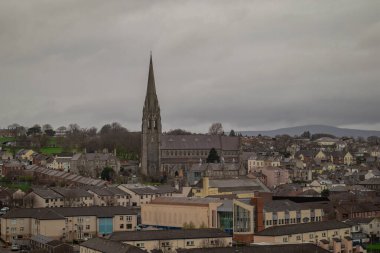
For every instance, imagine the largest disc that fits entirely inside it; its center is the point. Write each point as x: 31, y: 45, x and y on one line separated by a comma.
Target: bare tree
x: 216, y: 129
x: 74, y: 128
x: 46, y: 127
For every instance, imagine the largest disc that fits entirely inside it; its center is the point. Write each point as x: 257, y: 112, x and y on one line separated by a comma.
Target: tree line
x: 111, y: 136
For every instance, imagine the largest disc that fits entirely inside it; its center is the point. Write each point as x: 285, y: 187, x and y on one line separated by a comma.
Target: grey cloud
x: 248, y: 64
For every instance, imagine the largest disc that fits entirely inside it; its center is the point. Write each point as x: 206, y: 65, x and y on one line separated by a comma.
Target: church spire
x: 151, y: 129
x: 151, y: 100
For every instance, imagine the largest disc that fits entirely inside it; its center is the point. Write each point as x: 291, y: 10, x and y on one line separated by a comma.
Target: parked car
x: 15, y: 247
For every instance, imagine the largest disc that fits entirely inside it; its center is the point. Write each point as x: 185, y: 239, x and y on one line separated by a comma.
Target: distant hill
x: 315, y: 129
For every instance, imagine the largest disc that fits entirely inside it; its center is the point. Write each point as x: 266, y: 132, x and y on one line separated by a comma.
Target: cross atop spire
x: 151, y: 100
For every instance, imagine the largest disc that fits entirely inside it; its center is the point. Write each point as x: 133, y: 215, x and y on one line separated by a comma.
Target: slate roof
x: 199, y: 141
x: 66, y: 176
x: 302, y: 228
x: 357, y: 221
x: 283, y: 248
x: 72, y: 193
x: 47, y: 193
x: 184, y: 201
x: 283, y: 205
x: 357, y: 208
x: 117, y: 191
x: 37, y: 213
x: 306, y: 153
x: 148, y: 189
x: 371, y: 181
x: 62, y: 212
x: 107, y: 246
x: 100, y: 191
x: 151, y: 235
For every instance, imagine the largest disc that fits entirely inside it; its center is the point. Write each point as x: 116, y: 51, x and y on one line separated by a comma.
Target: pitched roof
x: 184, y: 201
x: 200, y: 141
x: 37, y: 213
x: 150, y: 235
x: 149, y: 189
x: 283, y: 205
x: 255, y: 248
x: 117, y: 191
x: 47, y: 193
x: 100, y: 191
x: 107, y: 246
x: 62, y: 212
x: 356, y: 221
x: 72, y: 193
x: 302, y: 228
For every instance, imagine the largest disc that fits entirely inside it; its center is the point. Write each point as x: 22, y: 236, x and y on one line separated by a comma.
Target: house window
x: 140, y: 244
x: 298, y: 237
x: 285, y: 239
x: 323, y: 234
x: 122, y: 226
x: 190, y: 243
x: 121, y: 217
x: 129, y: 226
x: 165, y: 244
x: 128, y: 218
x: 311, y: 236
x: 87, y: 227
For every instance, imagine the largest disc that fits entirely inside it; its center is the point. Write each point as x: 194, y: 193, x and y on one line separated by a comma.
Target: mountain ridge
x: 314, y: 129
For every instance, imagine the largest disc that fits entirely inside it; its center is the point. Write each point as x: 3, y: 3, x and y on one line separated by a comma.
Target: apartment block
x: 66, y: 223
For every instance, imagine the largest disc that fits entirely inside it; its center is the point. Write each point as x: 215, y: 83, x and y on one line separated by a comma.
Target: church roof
x: 198, y: 141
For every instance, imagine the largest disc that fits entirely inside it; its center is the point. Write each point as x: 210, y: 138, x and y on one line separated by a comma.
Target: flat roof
x: 152, y: 235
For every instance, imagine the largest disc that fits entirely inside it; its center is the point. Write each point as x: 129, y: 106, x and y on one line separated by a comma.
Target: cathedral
x: 175, y: 155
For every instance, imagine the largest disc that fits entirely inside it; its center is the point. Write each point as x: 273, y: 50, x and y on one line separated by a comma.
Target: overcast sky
x: 251, y: 65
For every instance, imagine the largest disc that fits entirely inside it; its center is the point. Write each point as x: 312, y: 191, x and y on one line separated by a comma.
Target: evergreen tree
x: 213, y: 156
x: 107, y: 173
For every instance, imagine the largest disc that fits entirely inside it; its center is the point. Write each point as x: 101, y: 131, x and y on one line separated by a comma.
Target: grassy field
x: 51, y: 150
x: 4, y: 139
x: 23, y: 186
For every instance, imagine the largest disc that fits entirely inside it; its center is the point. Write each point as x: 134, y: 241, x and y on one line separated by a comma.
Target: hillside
x: 313, y: 129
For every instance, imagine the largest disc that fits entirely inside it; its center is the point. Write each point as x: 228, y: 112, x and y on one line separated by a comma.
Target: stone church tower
x: 151, y: 130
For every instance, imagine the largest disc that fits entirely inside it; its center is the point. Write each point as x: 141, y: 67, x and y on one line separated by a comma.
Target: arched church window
x: 155, y: 124
x: 148, y: 124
